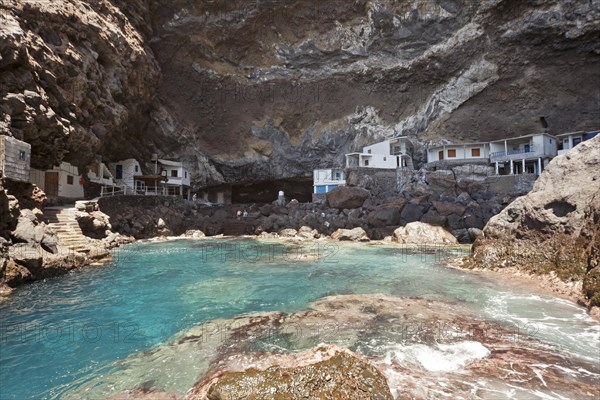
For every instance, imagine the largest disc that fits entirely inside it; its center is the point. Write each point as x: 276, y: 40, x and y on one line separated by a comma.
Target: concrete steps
x: 62, y: 221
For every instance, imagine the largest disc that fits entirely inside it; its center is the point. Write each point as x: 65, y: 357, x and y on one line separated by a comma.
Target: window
x: 451, y: 153
x: 475, y: 152
x: 137, y: 168
x: 119, y: 171
x: 576, y: 141
x: 338, y: 176
x: 174, y: 173
x: 384, y: 158
x: 22, y: 155
x: 369, y: 151
x: 185, y: 174
x: 69, y: 179
x: 366, y: 163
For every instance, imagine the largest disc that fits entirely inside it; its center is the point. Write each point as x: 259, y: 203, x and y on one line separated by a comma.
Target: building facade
x: 63, y: 181
x: 325, y: 180
x: 523, y: 154
x: 15, y: 159
x: 463, y: 153
x: 389, y: 154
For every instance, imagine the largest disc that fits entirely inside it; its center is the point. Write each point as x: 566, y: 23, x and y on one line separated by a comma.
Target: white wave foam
x: 441, y: 357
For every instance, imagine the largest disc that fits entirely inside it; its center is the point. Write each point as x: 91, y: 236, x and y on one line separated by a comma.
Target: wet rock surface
x: 423, y: 348
x: 325, y: 373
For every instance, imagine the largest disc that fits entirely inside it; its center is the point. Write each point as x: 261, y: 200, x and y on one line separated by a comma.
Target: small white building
x: 177, y: 182
x: 459, y: 153
x: 100, y: 174
x: 124, y: 172
x: 325, y: 180
x: 15, y: 159
x: 566, y: 141
x: 63, y: 181
x: 523, y: 154
x: 390, y: 154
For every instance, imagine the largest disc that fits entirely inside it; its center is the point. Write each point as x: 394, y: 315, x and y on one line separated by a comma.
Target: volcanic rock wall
x: 285, y: 86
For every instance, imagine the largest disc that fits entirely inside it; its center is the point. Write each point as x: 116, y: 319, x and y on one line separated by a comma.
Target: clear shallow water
x: 60, y: 333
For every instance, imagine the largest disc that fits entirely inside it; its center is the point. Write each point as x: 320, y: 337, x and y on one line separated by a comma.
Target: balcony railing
x: 499, y: 154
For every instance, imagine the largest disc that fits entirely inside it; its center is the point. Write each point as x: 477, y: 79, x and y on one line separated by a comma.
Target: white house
x: 391, y: 153
x: 177, y: 182
x: 566, y: 141
x: 459, y: 153
x: 325, y: 180
x: 124, y: 171
x: 528, y: 153
x: 99, y: 173
x: 63, y: 181
x: 15, y: 159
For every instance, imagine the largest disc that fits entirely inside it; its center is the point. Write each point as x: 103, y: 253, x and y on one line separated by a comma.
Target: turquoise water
x: 60, y: 333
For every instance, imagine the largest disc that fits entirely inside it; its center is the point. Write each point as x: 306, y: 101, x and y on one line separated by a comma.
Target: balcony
x: 513, y: 154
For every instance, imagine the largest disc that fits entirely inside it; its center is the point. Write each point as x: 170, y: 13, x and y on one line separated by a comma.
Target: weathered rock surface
x: 329, y: 372
x: 347, y: 197
x: 354, y: 235
x: 422, y: 233
x: 555, y: 229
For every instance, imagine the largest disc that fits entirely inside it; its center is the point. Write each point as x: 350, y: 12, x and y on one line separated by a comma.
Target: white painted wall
x: 463, y: 152
x: 129, y: 171
x: 328, y: 178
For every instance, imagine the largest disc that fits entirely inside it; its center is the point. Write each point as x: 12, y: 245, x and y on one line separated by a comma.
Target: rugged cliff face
x: 279, y: 87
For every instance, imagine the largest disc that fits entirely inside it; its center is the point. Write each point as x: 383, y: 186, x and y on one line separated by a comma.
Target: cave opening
x: 267, y: 191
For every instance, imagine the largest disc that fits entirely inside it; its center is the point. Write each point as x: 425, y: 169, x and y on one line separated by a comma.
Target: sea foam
x: 439, y: 357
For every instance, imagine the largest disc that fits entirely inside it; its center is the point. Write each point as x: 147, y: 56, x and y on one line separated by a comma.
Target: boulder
x: 431, y: 217
x: 27, y: 230
x: 288, y: 233
x: 327, y: 372
x: 412, y: 212
x: 194, y: 234
x: 446, y: 208
x: 347, y: 197
x: 355, y: 235
x: 422, y: 233
x: 442, y: 182
x: 308, y: 233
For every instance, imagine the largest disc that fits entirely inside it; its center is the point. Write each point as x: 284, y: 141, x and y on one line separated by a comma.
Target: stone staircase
x: 62, y: 221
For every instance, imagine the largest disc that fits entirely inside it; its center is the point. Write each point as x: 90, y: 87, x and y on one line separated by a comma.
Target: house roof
x: 571, y: 133
x: 522, y: 137
x: 170, y: 163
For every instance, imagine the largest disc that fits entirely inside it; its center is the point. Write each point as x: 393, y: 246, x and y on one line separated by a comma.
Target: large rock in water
x: 347, y: 197
x: 555, y: 229
x: 422, y: 233
x: 325, y: 373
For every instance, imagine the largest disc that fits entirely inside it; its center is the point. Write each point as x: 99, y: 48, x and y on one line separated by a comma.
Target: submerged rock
x: 329, y: 372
